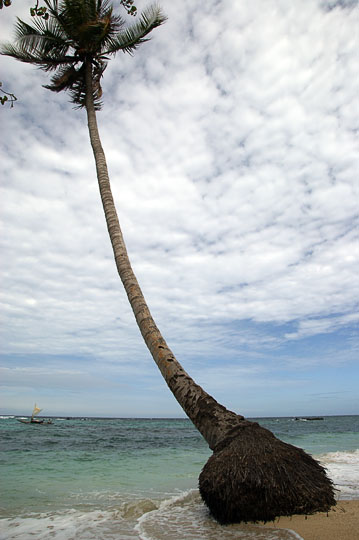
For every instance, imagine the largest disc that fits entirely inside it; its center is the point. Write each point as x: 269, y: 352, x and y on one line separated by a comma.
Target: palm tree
x: 251, y: 474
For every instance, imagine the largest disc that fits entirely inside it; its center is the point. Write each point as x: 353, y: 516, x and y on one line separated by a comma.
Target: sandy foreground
x: 341, y: 523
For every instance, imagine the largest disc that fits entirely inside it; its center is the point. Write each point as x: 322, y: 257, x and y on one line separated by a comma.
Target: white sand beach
x: 342, y: 522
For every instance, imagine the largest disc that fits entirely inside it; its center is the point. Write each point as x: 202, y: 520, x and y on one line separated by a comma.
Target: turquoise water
x: 88, y: 459
x: 137, y: 478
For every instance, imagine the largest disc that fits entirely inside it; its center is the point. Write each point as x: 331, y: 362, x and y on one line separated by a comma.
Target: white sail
x: 35, y: 411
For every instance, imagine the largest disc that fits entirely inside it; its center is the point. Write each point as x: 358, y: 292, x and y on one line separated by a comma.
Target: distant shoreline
x: 84, y: 417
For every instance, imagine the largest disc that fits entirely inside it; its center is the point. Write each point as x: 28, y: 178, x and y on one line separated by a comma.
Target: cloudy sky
x: 231, y: 140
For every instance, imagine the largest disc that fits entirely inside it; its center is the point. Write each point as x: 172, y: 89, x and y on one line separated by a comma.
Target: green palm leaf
x: 129, y: 39
x: 45, y: 38
x: 46, y: 62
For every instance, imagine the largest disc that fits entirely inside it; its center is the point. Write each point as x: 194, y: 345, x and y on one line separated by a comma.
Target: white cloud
x: 231, y: 145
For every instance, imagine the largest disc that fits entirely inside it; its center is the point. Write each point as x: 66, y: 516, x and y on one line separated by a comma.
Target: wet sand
x: 342, y: 522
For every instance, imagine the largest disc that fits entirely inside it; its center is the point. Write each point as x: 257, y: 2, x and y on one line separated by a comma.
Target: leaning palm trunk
x: 210, y: 418
x: 251, y: 475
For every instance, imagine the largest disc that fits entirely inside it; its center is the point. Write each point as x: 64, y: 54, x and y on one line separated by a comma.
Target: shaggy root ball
x: 257, y: 477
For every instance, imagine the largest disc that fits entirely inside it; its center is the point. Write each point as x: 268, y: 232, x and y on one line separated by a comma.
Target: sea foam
x: 343, y: 469
x: 187, y: 517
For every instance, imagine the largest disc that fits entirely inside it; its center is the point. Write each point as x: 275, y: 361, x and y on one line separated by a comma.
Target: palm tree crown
x: 78, y: 32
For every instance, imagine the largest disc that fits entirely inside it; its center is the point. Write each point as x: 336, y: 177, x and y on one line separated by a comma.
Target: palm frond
x: 50, y: 27
x: 129, y: 39
x: 45, y: 62
x: 64, y: 79
x: 53, y: 30
x: 39, y: 44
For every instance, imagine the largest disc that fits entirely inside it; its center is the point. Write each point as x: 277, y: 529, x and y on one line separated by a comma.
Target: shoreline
x: 342, y: 521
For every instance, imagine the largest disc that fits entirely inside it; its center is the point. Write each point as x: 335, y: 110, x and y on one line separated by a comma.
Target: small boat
x: 34, y: 420
x: 309, y: 418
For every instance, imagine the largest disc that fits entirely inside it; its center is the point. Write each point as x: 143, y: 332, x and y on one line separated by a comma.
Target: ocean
x: 125, y: 479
